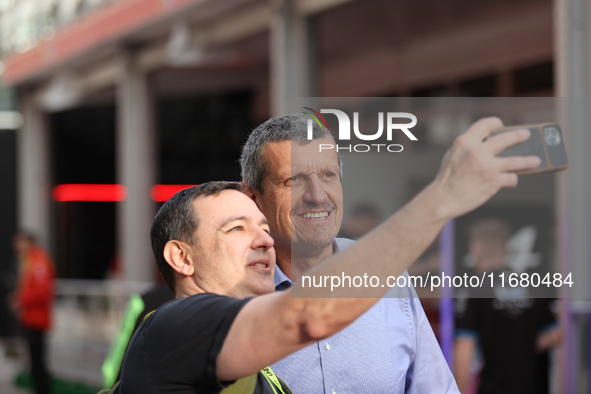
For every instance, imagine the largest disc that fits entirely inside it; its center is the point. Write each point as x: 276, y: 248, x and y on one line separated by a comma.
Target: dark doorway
x: 8, y: 264
x: 83, y: 151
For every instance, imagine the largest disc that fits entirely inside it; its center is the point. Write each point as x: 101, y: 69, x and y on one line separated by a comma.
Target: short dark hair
x: 176, y: 220
x: 291, y: 127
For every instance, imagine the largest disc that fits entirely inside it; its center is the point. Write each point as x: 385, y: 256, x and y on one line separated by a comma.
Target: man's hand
x: 471, y: 173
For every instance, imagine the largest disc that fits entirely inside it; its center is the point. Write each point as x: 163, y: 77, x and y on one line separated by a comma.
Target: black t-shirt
x: 153, y: 299
x: 506, y: 330
x: 176, y: 348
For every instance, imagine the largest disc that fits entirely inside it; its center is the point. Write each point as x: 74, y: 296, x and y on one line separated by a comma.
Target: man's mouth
x: 264, y: 264
x: 315, y: 215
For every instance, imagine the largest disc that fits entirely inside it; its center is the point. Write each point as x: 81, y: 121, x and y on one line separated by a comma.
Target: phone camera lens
x: 551, y: 135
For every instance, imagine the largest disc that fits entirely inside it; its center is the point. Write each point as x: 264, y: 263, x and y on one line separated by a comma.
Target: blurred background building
x: 124, y: 99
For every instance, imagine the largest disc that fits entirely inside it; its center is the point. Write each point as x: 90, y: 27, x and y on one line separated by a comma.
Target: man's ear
x: 176, y: 254
x: 249, y: 191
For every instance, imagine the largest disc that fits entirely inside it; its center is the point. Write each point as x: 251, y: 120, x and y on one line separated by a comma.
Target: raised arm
x: 272, y: 326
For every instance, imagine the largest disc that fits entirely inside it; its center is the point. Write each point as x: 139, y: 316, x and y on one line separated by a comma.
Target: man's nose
x: 315, y: 191
x: 263, y: 240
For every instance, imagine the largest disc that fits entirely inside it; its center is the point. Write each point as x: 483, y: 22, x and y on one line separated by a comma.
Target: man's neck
x: 294, y: 262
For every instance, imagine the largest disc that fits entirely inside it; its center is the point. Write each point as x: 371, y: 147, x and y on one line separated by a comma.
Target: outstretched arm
x: 270, y: 327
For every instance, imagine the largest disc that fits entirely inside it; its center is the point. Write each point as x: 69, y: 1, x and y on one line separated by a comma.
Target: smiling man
x: 303, y: 195
x: 214, y: 249
x: 298, y: 188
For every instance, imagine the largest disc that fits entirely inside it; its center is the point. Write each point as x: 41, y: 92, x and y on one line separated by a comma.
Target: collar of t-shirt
x: 282, y: 281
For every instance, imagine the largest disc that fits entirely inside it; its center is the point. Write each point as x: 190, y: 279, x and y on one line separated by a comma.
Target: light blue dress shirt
x: 391, y: 348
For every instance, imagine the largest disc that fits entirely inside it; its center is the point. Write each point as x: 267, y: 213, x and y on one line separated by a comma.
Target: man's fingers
x: 483, y: 127
x: 500, y: 142
x: 519, y: 163
x: 509, y: 180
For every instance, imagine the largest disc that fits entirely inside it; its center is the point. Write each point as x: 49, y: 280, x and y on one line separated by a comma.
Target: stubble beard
x: 322, y: 235
x: 321, y: 238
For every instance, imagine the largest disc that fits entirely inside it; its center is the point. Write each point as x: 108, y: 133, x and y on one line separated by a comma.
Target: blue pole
x: 446, y: 301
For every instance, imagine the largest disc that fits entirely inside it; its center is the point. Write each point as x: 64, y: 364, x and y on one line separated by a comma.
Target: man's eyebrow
x: 234, y: 219
x: 239, y: 218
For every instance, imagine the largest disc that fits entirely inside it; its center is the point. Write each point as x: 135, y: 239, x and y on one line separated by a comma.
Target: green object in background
x: 112, y: 364
x: 24, y: 380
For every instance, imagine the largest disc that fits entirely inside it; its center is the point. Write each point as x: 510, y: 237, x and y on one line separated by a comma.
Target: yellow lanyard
x: 273, y: 380
x: 248, y: 384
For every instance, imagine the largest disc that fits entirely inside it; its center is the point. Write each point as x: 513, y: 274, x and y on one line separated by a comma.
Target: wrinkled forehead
x: 293, y: 157
x: 216, y: 209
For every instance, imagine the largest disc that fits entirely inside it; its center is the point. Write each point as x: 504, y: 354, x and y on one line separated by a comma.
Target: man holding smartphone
x: 299, y: 190
x: 214, y: 250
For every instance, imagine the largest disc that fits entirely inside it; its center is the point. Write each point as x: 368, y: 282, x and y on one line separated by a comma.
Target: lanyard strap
x: 273, y: 380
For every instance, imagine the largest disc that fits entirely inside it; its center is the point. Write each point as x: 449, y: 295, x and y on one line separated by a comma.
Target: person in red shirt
x: 33, y: 301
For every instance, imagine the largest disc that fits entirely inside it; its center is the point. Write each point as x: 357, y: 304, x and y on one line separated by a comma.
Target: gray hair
x: 292, y: 127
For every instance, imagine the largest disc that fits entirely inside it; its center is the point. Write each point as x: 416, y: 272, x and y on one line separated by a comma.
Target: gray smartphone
x: 545, y: 141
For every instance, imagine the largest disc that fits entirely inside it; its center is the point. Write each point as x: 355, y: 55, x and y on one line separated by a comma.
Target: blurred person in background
x: 300, y: 192
x: 510, y: 331
x: 32, y: 303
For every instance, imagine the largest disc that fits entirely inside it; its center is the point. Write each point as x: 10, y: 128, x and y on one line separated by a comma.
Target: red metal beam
x: 84, y: 192
x: 110, y: 22
x: 113, y: 193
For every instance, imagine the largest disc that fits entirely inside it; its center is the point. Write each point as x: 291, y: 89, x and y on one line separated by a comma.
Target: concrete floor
x: 8, y: 369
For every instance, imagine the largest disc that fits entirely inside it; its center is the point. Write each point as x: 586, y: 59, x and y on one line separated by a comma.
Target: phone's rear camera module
x: 551, y: 135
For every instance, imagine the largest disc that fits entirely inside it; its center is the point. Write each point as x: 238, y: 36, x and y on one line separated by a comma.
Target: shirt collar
x: 281, y: 280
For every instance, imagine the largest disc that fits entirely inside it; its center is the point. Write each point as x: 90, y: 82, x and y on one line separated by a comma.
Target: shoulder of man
x: 343, y: 243
x: 190, y: 317
x: 199, y: 323
x: 198, y: 303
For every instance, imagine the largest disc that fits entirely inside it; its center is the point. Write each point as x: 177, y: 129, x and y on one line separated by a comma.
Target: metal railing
x: 86, y: 320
